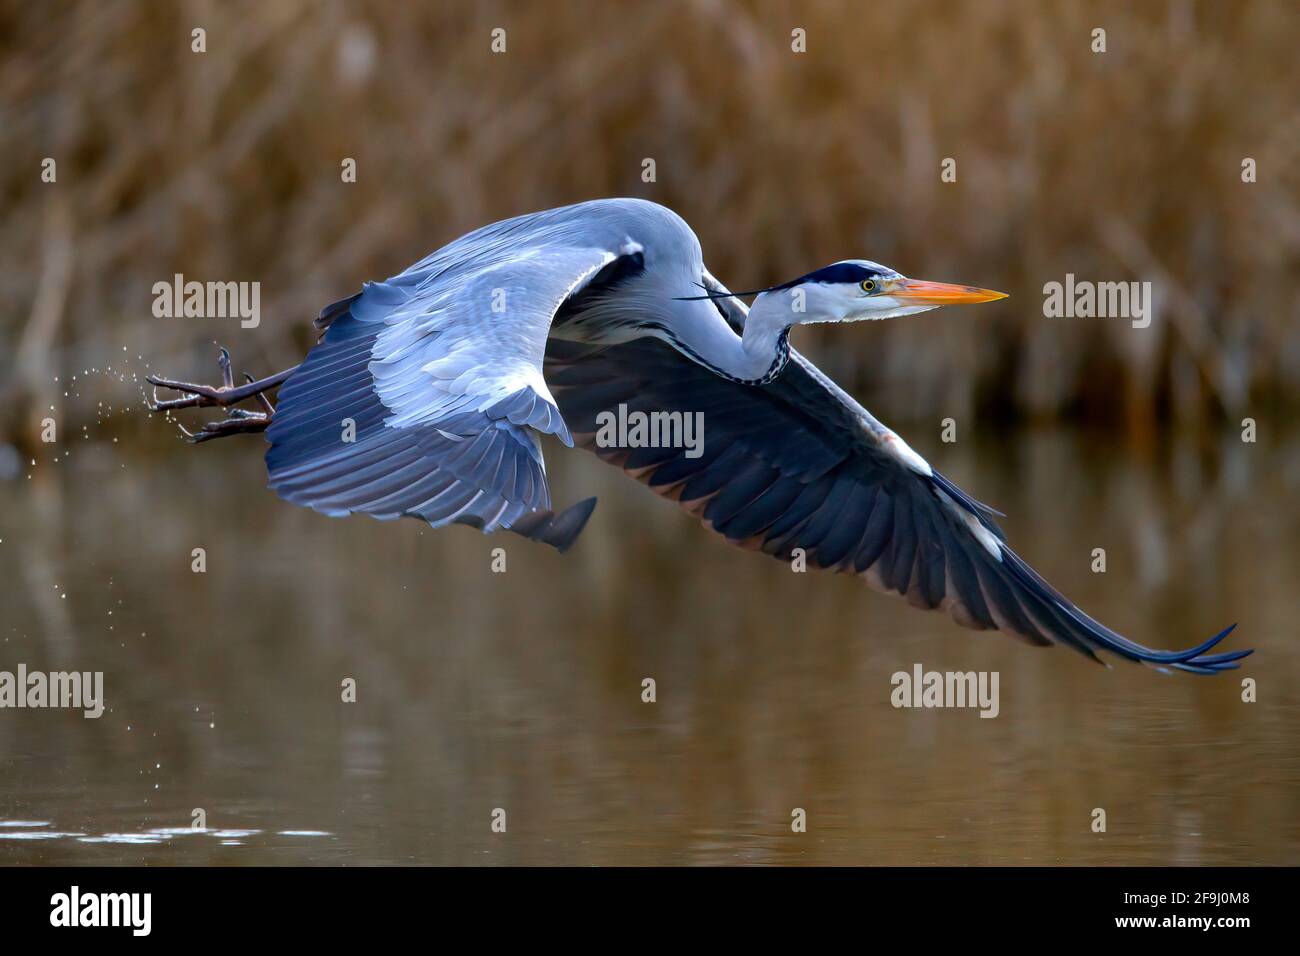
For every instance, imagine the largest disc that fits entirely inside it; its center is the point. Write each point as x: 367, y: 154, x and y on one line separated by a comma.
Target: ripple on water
x: 10, y: 830
x: 37, y: 835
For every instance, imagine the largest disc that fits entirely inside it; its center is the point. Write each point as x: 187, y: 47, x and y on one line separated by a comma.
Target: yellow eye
x: 868, y: 285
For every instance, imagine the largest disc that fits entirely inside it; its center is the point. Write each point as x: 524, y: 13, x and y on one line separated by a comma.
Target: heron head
x: 855, y: 290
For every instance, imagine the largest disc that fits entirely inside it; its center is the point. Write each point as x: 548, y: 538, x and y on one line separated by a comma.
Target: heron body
x: 428, y: 392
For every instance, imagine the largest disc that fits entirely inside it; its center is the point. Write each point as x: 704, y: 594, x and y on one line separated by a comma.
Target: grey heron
x: 448, y: 372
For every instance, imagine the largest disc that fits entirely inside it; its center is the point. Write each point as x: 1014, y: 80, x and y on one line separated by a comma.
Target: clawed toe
x: 198, y: 395
x: 240, y: 421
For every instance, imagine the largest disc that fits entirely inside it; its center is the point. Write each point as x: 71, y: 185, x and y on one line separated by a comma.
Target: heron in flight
x: 427, y: 393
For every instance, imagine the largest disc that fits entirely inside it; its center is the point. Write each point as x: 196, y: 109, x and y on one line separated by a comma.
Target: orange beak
x: 920, y: 292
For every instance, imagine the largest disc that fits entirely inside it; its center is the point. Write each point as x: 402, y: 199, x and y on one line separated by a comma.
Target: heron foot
x: 239, y: 420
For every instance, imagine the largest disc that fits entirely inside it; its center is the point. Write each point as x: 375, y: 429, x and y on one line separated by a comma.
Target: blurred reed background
x: 225, y: 165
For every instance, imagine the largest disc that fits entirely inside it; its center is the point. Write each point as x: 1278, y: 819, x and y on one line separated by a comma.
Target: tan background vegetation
x: 1124, y: 165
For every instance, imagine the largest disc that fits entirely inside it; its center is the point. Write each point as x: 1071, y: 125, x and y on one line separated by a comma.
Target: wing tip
x: 1202, y: 663
x: 1195, y: 660
x: 1097, y: 637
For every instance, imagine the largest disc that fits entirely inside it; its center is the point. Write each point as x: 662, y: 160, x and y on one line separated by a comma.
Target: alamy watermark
x: 1105, y: 300
x: 208, y: 300
x: 83, y: 689
x: 75, y: 908
x: 922, y: 688
x: 635, y: 429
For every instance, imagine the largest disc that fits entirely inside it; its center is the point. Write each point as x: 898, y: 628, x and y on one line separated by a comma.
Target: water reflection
x: 522, y: 691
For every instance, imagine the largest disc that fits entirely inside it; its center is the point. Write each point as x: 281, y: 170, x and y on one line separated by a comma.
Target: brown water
x: 522, y: 690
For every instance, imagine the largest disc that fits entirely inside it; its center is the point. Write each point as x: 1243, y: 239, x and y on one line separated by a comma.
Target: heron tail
x: 558, y: 530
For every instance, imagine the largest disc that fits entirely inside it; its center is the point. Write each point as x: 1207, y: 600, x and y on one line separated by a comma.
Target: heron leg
x: 238, y: 420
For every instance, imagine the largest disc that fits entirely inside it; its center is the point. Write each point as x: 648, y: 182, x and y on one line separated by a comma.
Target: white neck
x: 754, y: 358
x: 767, y: 326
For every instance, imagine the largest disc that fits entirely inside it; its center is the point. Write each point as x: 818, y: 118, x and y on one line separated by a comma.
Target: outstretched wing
x: 424, y: 395
x: 797, y: 463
